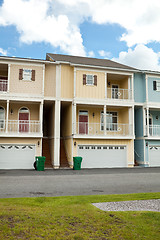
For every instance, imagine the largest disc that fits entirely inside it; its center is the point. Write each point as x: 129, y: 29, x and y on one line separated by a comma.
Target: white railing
x: 3, y: 85
x: 119, y: 93
x: 113, y: 129
x: 21, y: 126
x: 154, y: 130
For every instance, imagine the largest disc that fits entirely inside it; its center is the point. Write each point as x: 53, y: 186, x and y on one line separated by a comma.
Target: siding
x: 139, y: 87
x: 50, y: 81
x: 84, y: 91
x: 139, y: 151
x: 139, y: 122
x: 26, y: 87
x: 153, y: 96
x: 67, y: 81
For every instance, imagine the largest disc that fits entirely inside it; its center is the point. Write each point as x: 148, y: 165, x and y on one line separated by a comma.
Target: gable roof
x: 87, y: 61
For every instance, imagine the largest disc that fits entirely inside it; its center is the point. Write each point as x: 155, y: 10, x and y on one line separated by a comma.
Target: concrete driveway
x: 30, y: 183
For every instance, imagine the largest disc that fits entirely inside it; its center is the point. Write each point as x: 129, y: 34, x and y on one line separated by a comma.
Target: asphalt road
x: 31, y: 183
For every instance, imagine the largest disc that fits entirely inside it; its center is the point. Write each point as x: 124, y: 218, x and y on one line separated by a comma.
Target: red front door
x: 83, y: 124
x: 23, y: 122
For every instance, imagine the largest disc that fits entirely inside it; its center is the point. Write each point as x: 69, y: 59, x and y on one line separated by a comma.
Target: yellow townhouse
x: 66, y: 106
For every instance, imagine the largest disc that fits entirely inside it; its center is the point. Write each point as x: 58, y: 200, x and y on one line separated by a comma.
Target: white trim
x: 58, y: 81
x: 74, y: 95
x: 43, y: 79
x: 105, y: 118
x: 9, y: 74
x: 147, y: 115
x: 105, y: 86
x: 74, y: 117
x: 7, y: 116
x: 132, y: 84
x: 24, y: 59
x: 83, y: 136
x: 133, y: 121
x: 41, y: 116
x: 146, y: 78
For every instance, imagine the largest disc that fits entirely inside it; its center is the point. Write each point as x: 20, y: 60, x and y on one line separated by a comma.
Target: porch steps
x: 46, y: 152
x: 63, y: 157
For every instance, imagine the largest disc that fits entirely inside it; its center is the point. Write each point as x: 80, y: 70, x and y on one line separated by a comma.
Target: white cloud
x: 104, y: 54
x: 91, y: 54
x: 3, y: 52
x: 140, y: 57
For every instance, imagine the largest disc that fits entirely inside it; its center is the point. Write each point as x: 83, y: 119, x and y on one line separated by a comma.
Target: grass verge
x: 75, y: 218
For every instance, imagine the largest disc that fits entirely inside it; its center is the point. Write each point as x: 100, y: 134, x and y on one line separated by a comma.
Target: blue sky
x: 120, y: 30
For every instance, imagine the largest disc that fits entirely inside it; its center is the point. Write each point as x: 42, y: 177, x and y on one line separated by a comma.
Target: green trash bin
x: 77, y: 163
x: 40, y: 162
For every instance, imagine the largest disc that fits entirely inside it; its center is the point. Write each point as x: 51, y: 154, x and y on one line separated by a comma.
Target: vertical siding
x: 139, y: 151
x: 50, y: 81
x: 139, y: 87
x: 139, y: 122
x: 28, y: 87
x: 67, y: 81
x: 84, y: 91
x: 153, y: 96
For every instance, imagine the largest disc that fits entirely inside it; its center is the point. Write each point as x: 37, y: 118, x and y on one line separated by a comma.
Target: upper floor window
x: 111, y: 121
x: 156, y: 85
x: 27, y: 74
x: 89, y: 79
x: 2, y: 117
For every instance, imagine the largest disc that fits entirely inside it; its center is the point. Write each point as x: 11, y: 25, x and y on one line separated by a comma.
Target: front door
x: 115, y: 91
x: 24, y: 122
x: 83, y: 122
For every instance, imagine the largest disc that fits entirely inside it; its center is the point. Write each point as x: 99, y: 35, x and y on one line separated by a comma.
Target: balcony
x: 119, y: 93
x: 154, y: 130
x: 97, y: 129
x: 20, y: 127
x: 3, y: 85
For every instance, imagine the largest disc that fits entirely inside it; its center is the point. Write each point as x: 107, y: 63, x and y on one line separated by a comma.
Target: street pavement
x: 68, y: 182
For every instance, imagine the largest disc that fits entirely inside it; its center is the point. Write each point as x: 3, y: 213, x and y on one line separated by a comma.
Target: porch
x: 152, y: 122
x: 4, y: 69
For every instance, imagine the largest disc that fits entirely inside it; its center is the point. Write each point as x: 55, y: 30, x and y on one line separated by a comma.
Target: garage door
x: 17, y: 156
x: 95, y: 156
x: 154, y: 156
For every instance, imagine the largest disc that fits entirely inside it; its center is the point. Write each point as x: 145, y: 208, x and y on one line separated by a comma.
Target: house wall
x: 139, y: 151
x: 66, y: 121
x: 128, y: 143
x: 139, y: 122
x: 67, y: 81
x: 123, y: 83
x: 23, y: 141
x: 139, y: 87
x: 154, y: 114
x: 29, y: 87
x: 68, y: 143
x: 51, y: 131
x: 50, y: 81
x: 84, y: 91
x: 153, y: 96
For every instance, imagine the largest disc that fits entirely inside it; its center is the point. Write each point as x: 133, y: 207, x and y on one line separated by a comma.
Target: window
x: 27, y: 74
x: 2, y: 118
x: 111, y: 121
x: 156, y: 85
x: 89, y: 79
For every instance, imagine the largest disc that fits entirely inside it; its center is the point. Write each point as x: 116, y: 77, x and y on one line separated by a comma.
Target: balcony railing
x: 113, y: 129
x: 20, y: 126
x: 154, y: 130
x: 119, y: 93
x: 3, y: 85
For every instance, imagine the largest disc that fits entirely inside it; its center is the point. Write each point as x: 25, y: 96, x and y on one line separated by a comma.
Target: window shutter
x: 95, y: 80
x: 20, y: 74
x: 33, y: 75
x: 84, y: 79
x: 154, y: 85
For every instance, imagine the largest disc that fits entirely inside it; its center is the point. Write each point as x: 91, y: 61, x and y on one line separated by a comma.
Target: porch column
x: 147, y: 109
x: 104, y: 117
x: 74, y: 82
x: 41, y: 116
x: 9, y: 67
x: 132, y: 84
x: 56, y: 163
x: 105, y: 85
x: 131, y: 130
x: 74, y: 129
x: 7, y: 116
x: 144, y: 122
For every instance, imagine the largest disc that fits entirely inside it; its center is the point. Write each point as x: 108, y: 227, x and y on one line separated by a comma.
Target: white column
x: 147, y: 121
x: 9, y: 67
x: 104, y: 117
x: 7, y: 116
x: 132, y: 84
x: 41, y: 116
x: 144, y: 122
x: 133, y: 121
x: 74, y: 118
x: 74, y: 83
x: 56, y: 163
x: 105, y: 85
x: 146, y: 78
x: 43, y: 79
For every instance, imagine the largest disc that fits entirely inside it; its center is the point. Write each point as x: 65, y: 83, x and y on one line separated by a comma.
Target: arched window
x: 2, y: 118
x: 23, y: 119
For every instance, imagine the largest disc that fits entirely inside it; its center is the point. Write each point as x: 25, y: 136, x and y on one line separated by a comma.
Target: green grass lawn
x: 75, y: 218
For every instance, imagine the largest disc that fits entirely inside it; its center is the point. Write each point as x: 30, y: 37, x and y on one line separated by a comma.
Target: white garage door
x: 17, y: 156
x: 154, y: 156
x: 95, y: 156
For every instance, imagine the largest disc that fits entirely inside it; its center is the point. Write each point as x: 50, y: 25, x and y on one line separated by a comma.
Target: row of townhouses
x: 68, y: 106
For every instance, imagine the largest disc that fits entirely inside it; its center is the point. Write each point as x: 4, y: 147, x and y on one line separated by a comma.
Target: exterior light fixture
x: 75, y: 144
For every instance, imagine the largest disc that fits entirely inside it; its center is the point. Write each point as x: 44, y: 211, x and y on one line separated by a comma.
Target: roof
x: 23, y: 59
x: 87, y: 61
